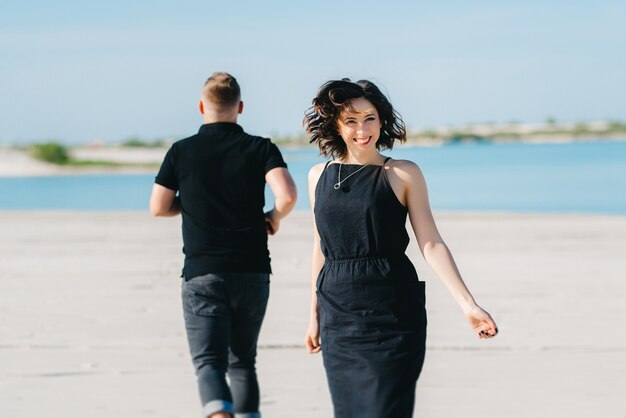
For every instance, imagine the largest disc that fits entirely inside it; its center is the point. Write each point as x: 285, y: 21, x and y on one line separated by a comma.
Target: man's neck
x: 215, y: 119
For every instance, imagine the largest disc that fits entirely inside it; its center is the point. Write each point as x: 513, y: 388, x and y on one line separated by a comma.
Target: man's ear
x: 240, y: 110
x: 201, y: 107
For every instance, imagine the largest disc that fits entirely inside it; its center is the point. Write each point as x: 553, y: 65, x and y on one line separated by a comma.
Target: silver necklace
x: 339, y: 181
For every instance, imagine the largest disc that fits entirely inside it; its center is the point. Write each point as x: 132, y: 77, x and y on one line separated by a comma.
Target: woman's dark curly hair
x: 320, y: 120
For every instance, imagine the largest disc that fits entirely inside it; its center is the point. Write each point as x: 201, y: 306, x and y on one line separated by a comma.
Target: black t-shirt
x: 220, y: 177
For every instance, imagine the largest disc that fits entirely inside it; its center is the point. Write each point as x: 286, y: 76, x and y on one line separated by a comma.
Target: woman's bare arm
x: 407, y: 180
x: 312, y: 339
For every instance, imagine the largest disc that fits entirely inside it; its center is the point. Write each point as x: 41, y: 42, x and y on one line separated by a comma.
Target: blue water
x: 584, y: 177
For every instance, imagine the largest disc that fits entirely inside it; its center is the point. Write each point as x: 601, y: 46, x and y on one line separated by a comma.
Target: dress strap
x: 384, y: 167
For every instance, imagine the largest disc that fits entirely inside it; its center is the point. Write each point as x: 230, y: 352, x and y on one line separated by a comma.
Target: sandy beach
x: 18, y: 163
x: 92, y: 326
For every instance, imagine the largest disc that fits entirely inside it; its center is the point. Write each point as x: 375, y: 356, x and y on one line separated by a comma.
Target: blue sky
x: 79, y: 71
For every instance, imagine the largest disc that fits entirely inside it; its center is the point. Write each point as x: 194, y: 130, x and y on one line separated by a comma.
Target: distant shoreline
x: 19, y: 163
x: 146, y: 160
x: 528, y: 140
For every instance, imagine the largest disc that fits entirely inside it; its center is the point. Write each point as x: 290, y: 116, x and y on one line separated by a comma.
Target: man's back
x: 220, y: 174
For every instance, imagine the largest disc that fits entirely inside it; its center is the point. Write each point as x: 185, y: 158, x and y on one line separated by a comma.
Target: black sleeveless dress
x: 371, y: 303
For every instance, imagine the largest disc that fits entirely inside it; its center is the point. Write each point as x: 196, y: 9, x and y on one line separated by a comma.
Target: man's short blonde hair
x: 222, y: 90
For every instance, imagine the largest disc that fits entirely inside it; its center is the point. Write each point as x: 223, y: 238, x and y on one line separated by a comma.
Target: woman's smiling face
x: 360, y: 126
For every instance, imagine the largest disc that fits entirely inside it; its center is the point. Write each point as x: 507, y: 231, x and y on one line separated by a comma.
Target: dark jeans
x: 223, y: 316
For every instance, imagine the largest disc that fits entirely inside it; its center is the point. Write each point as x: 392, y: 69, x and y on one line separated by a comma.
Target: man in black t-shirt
x: 220, y: 175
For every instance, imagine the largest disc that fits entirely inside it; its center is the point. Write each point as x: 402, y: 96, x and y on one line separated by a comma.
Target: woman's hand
x: 312, y: 339
x: 482, y: 323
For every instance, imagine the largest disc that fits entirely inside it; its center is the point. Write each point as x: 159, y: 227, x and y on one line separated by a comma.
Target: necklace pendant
x: 345, y: 189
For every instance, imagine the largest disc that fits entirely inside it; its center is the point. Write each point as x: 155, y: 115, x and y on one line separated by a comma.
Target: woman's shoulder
x: 316, y: 171
x: 408, y: 174
x: 404, y: 169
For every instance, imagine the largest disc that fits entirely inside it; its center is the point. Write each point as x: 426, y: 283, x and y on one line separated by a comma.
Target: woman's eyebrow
x: 365, y: 116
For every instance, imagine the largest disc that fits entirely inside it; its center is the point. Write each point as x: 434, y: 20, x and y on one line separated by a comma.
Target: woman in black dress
x: 367, y: 304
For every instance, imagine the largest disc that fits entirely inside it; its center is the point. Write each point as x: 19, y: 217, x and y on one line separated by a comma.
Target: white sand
x: 118, y: 154
x: 18, y: 163
x: 91, y: 323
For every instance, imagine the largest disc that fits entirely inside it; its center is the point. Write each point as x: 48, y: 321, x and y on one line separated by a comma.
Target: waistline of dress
x: 396, y: 257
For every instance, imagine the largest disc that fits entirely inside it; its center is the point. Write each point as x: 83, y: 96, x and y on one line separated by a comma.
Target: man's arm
x: 163, y: 201
x: 284, y: 189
